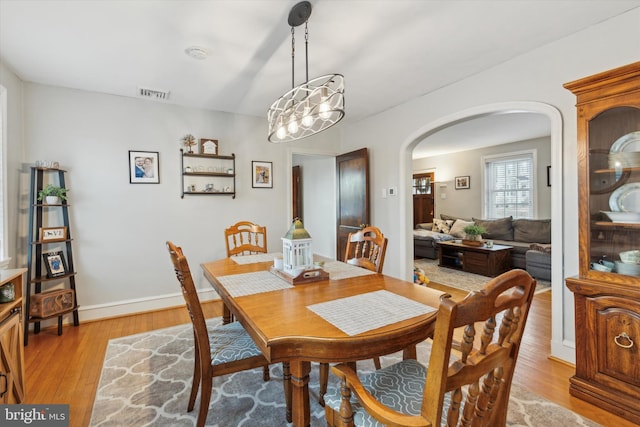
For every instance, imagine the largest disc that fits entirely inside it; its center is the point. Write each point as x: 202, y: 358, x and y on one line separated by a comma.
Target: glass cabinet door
x: 614, y: 191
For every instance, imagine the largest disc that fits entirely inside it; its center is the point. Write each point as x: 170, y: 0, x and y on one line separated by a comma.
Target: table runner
x: 361, y: 313
x: 239, y: 285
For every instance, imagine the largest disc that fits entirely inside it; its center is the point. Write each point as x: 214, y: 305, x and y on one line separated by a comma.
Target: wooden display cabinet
x: 607, y: 304
x: 11, y: 345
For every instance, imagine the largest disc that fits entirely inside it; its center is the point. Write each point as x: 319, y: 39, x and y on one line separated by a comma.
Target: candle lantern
x: 296, y: 249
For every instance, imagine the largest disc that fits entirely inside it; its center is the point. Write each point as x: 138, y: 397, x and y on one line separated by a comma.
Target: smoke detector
x: 197, y: 52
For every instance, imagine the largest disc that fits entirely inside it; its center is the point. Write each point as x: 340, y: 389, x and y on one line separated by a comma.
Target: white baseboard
x: 132, y: 306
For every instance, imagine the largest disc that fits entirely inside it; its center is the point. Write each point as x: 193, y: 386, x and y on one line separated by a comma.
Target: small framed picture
x: 463, y: 182
x: 261, y: 174
x: 144, y: 167
x: 55, y: 264
x: 53, y: 234
x: 209, y: 146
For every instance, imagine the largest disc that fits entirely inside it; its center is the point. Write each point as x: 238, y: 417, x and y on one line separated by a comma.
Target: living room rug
x: 146, y: 380
x: 460, y: 279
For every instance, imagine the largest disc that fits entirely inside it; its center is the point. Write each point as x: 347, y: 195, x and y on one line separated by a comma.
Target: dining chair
x: 366, y: 248
x: 466, y: 387
x: 245, y: 238
x: 219, y: 350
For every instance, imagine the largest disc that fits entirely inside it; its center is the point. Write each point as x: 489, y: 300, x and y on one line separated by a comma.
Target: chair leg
x: 205, y: 399
x: 286, y: 377
x: 195, y: 383
x: 265, y: 373
x: 324, y: 380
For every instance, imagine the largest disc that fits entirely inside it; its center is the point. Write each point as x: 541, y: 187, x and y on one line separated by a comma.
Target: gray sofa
x: 530, y: 239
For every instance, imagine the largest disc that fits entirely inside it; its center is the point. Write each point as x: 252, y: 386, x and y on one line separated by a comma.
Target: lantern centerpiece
x: 296, y: 249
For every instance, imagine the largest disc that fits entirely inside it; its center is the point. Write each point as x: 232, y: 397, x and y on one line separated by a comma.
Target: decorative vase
x: 52, y: 200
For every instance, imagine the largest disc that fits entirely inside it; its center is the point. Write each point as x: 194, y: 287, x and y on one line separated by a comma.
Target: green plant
x: 52, y: 190
x: 474, y: 230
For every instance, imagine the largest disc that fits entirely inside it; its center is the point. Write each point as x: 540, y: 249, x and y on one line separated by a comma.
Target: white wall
x: 468, y: 203
x: 119, y: 229
x: 535, y: 76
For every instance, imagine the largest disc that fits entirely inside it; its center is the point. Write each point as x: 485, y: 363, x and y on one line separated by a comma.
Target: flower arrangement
x: 189, y: 141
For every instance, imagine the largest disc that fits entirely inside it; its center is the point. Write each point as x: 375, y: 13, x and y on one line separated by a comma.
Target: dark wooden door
x: 423, y: 198
x: 352, y: 177
x: 296, y: 189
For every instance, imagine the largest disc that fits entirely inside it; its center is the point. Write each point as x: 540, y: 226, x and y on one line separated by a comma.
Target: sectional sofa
x: 530, y: 239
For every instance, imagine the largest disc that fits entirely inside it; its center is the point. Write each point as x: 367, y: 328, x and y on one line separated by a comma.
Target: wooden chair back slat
x: 366, y: 248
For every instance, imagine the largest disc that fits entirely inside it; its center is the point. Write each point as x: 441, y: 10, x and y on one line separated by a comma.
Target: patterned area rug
x: 146, y: 381
x: 460, y: 279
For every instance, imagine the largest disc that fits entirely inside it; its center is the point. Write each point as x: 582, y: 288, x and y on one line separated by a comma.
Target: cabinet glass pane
x: 614, y: 187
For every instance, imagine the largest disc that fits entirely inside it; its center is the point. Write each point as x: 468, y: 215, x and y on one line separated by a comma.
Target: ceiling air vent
x: 158, y: 95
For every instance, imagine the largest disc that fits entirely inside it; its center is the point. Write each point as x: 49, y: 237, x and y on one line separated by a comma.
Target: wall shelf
x: 196, y: 168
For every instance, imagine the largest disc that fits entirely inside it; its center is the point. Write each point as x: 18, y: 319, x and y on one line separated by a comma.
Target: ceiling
x: 390, y: 51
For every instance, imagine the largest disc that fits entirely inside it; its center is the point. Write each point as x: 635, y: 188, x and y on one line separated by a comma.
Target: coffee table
x: 475, y: 259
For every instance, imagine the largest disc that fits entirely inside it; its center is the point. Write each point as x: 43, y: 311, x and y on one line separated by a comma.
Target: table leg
x: 300, y: 394
x: 227, y: 317
x: 410, y: 353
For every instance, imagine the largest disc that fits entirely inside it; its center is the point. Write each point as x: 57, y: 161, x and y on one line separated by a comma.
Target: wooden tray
x: 307, y: 276
x: 476, y: 243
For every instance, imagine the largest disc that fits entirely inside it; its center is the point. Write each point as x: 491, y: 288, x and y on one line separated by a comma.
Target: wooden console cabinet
x: 607, y: 303
x: 11, y: 345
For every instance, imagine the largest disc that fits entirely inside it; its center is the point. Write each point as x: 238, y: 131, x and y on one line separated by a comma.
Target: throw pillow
x: 540, y: 248
x: 497, y: 229
x: 441, y: 226
x: 457, y: 229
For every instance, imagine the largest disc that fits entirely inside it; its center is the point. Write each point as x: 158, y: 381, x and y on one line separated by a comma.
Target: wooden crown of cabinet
x: 607, y: 291
x: 208, y: 174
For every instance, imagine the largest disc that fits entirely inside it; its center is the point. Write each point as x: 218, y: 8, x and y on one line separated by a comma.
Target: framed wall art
x: 55, y: 264
x: 53, y: 234
x: 209, y: 146
x: 463, y: 182
x: 261, y: 174
x: 144, y: 167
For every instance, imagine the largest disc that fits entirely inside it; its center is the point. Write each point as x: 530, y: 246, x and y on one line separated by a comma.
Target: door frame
x: 561, y: 299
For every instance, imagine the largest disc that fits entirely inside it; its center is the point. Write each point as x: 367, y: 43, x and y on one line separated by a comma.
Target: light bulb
x: 282, y: 132
x: 293, y: 125
x: 325, y: 110
x: 307, y: 120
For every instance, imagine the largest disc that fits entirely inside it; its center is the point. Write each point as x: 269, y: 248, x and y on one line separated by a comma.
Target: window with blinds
x: 510, y: 185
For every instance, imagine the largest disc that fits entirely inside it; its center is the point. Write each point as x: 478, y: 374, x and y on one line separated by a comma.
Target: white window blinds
x: 510, y: 186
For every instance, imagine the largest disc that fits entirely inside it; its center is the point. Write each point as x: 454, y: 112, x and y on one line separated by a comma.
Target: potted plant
x: 52, y: 194
x: 474, y: 234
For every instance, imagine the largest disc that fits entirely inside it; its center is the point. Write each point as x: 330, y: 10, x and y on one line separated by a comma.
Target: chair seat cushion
x: 231, y: 342
x: 399, y: 386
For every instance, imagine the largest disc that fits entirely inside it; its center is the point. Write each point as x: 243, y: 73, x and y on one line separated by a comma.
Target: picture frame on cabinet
x: 208, y: 146
x: 463, y: 182
x: 55, y: 263
x: 144, y: 167
x: 261, y: 174
x: 53, y: 234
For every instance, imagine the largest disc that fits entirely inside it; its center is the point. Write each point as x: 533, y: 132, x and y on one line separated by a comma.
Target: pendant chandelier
x: 311, y: 107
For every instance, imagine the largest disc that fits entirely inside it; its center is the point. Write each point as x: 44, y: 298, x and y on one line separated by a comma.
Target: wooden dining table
x: 355, y: 315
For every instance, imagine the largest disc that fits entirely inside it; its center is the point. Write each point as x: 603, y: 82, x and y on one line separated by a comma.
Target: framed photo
x: 261, y: 174
x: 144, y: 167
x: 53, y: 234
x: 209, y: 146
x: 55, y: 264
x: 463, y: 182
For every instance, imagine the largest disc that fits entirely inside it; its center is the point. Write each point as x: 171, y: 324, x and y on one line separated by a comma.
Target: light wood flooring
x: 66, y: 369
